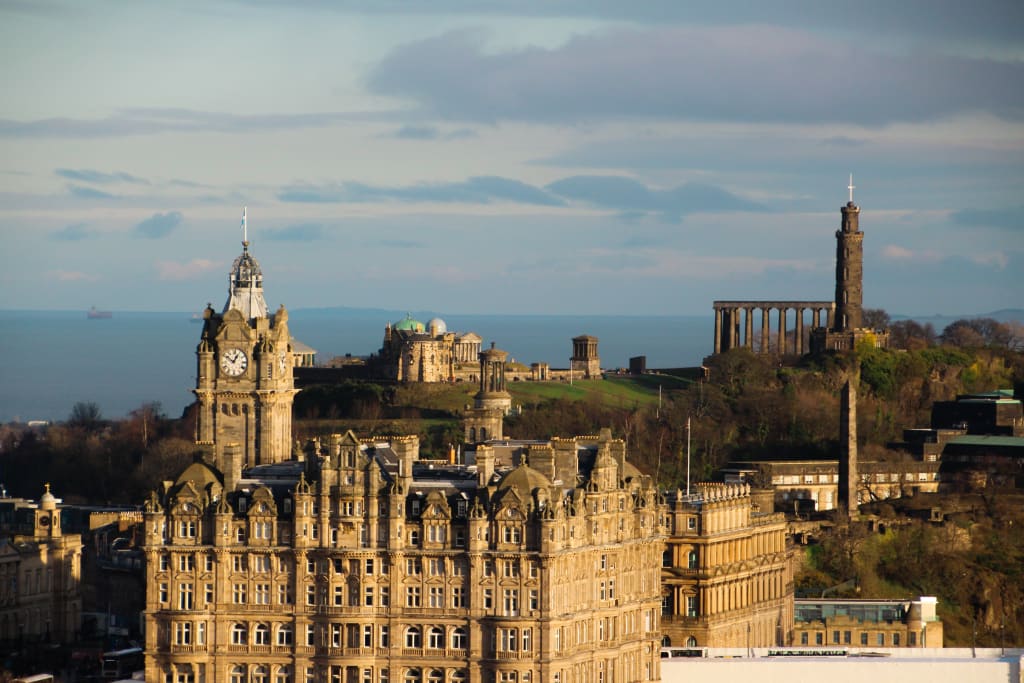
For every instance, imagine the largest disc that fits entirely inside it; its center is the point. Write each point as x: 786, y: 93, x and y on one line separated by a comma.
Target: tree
x: 85, y: 414
x: 875, y: 319
x: 911, y: 335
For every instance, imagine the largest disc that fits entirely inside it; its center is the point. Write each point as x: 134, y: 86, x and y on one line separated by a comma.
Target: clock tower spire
x: 244, y: 384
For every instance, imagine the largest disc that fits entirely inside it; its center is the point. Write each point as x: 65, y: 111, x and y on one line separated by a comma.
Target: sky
x: 590, y: 157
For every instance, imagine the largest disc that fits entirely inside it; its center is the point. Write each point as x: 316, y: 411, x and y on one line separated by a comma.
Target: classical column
x: 831, y: 316
x: 735, y: 317
x: 782, y: 330
x: 799, y: 340
x: 718, y: 329
x: 749, y: 315
x: 815, y: 317
x: 765, y: 312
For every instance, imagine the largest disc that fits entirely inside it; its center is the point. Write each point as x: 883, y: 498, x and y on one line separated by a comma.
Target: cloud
x: 306, y: 232
x: 630, y: 196
x: 71, y: 276
x: 396, y: 244
x: 894, y: 252
x: 476, y: 190
x: 1008, y: 219
x: 72, y: 233
x: 733, y: 73
x: 995, y: 259
x: 89, y: 192
x: 158, y: 225
x: 410, y: 132
x: 172, y: 270
x: 153, y: 121
x: 417, y: 133
x: 99, y: 177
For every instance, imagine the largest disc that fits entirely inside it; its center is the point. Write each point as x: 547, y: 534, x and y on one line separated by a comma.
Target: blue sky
x: 583, y: 156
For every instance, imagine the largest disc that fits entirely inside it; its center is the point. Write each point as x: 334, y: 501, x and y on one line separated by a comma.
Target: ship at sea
x: 94, y: 314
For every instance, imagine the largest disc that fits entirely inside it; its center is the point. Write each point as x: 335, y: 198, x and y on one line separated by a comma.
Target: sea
x: 55, y: 359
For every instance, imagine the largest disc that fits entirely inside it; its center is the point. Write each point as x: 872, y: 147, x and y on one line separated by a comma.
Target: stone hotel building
x: 364, y: 563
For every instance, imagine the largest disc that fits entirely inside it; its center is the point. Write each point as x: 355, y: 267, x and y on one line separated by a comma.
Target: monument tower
x: 244, y: 384
x: 849, y: 268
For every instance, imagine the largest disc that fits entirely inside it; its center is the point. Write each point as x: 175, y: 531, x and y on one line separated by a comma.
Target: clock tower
x: 244, y: 386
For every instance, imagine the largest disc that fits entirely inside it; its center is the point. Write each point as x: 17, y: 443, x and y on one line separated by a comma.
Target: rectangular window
x: 261, y: 594
x: 186, y: 563
x: 183, y: 633
x: 412, y: 566
x: 803, y: 638
x: 510, y: 602
x: 864, y: 638
x: 185, y: 596
x: 208, y: 593
x: 488, y: 598
x: 436, y: 566
x: 261, y: 563
x: 847, y: 638
x: 881, y: 639
x: 912, y: 639
x: 368, y: 596
x: 369, y: 567
x: 238, y: 593
x: 338, y: 596
x: 895, y: 640
x: 284, y: 594
x: 412, y: 596
x: 819, y: 638
x: 385, y: 596
x: 460, y: 538
x: 165, y: 562
x: 511, y: 568
x: 534, y: 600
x: 209, y: 562
x: 835, y: 637
x: 437, y: 596
x: 310, y: 594
x: 238, y: 563
x: 367, y: 635
x: 509, y: 639
x: 384, y: 641
x: 310, y: 634
x: 458, y: 597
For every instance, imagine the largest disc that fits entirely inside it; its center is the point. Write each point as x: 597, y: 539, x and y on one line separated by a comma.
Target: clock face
x: 44, y: 521
x: 282, y: 360
x: 233, y: 362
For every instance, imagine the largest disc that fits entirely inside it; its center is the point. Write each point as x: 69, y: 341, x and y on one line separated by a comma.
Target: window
x: 881, y: 639
x: 527, y: 638
x: 488, y: 598
x: 435, y: 638
x: 512, y: 534
x: 339, y: 596
x: 238, y: 563
x: 208, y: 593
x: 185, y: 596
x: 186, y: 563
x: 458, y: 596
x: 384, y: 640
x: 413, y: 637
x: 414, y: 537
x: 239, y: 634
x: 368, y: 596
x: 511, y: 568
x: 510, y: 602
x: 459, y: 640
x: 261, y: 563
x: 369, y: 567
x: 261, y: 674
x: 208, y: 559
x: 183, y: 633
x: 385, y: 596
x: 692, y: 559
x: 847, y: 640
x: 864, y: 638
x: 835, y: 637
x: 460, y: 538
x: 238, y: 674
x: 261, y: 635
x: 912, y: 639
x: 691, y: 523
x: 412, y: 566
x: 534, y: 599
x: 284, y: 594
x: 165, y: 562
x: 895, y: 640
x: 437, y: 596
x: 367, y: 635
x: 187, y: 529
x: 261, y: 594
x: 310, y: 594
x: 284, y: 675
x: 508, y: 639
x: 819, y: 638
x: 691, y: 606
x: 803, y: 638
x: 437, y: 533
x: 238, y: 592
x: 412, y: 596
x: 284, y: 634
x: 436, y: 566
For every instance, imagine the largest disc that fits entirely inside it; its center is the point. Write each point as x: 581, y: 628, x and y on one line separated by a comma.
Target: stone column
x: 815, y: 317
x: 798, y: 342
x: 718, y: 329
x: 735, y: 317
x: 749, y: 315
x: 831, y: 316
x: 782, y: 330
x: 765, y: 312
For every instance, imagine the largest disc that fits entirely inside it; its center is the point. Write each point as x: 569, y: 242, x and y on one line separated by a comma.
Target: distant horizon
x: 1001, y: 313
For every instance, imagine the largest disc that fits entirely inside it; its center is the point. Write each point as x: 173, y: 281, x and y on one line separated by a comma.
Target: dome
x: 48, y: 501
x: 525, y: 478
x: 437, y: 326
x: 408, y: 324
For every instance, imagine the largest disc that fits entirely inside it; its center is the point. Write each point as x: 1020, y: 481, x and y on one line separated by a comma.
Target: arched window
x: 413, y: 637
x: 693, y: 559
x: 261, y: 635
x: 435, y: 638
x: 238, y: 674
x: 459, y: 675
x: 284, y: 675
x: 459, y: 640
x: 285, y: 634
x: 691, y: 642
x: 413, y: 676
x: 472, y: 434
x: 261, y: 674
x: 239, y: 634
x: 435, y: 676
